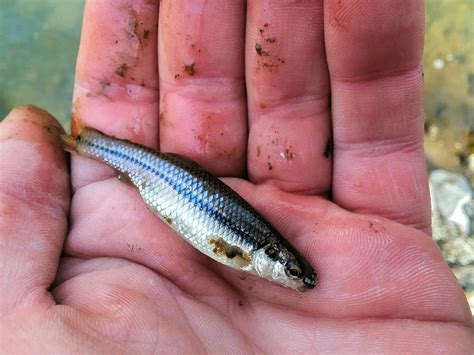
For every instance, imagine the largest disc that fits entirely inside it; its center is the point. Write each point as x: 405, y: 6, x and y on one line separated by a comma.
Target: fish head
x: 279, y: 263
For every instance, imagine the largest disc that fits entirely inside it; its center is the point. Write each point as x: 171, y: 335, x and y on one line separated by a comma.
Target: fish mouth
x: 310, y: 282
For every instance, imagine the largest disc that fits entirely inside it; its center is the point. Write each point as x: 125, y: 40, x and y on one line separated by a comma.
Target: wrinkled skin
x: 112, y: 278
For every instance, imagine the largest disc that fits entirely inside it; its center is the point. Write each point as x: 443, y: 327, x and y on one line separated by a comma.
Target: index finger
x: 116, y: 88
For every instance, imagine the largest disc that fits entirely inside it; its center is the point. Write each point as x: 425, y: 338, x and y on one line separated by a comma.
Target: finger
x: 34, y: 204
x: 288, y: 95
x: 374, y: 53
x: 116, y: 88
x: 203, y: 112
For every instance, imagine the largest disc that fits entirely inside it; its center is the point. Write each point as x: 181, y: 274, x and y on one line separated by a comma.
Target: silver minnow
x: 198, y: 206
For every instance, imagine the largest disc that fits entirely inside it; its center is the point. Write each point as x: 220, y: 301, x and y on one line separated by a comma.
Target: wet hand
x: 313, y: 112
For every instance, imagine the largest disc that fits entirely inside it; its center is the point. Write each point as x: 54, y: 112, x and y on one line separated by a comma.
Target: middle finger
x: 203, y: 111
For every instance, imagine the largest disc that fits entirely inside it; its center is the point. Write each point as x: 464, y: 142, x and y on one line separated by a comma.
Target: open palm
x: 360, y: 214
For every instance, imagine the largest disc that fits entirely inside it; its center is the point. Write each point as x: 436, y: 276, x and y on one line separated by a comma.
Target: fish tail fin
x: 77, y: 126
x: 69, y: 143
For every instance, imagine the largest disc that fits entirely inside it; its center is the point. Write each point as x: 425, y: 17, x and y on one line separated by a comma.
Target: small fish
x: 198, y: 206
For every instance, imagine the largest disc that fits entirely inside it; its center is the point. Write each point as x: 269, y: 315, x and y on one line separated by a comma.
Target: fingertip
x: 21, y: 117
x: 39, y: 130
x: 31, y: 111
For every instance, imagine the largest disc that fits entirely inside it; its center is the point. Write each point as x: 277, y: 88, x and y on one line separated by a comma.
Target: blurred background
x: 38, y: 47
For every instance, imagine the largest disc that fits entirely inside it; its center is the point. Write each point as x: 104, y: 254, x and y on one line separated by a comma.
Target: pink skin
x: 123, y: 282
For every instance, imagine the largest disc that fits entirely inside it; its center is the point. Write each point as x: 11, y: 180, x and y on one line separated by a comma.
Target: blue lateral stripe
x: 198, y: 201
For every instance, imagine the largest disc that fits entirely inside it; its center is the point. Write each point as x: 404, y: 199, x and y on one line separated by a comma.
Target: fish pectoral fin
x: 124, y: 177
x: 232, y: 252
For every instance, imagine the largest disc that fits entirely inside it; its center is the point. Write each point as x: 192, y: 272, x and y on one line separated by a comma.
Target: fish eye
x: 294, y: 271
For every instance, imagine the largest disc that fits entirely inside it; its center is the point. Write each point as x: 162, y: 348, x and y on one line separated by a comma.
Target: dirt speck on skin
x: 328, y: 148
x: 104, y: 84
x: 270, y: 166
x: 243, y: 278
x: 269, y: 66
x: 289, y: 155
x: 132, y: 27
x: 122, y: 70
x: 258, y: 150
x: 165, y: 122
x: 272, y: 61
x: 195, y: 48
x: 372, y: 228
x: 240, y: 303
x: 133, y: 247
x: 225, y: 153
x: 189, y: 69
x: 48, y: 128
x: 342, y: 26
x: 135, y: 29
x: 177, y: 76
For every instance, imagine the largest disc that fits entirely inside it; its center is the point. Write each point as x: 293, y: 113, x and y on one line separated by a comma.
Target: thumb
x: 34, y: 204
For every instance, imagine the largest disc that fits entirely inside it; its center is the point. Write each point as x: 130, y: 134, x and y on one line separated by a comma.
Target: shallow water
x: 38, y: 48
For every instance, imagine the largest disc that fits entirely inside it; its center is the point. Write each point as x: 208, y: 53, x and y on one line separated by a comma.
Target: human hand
x: 126, y: 283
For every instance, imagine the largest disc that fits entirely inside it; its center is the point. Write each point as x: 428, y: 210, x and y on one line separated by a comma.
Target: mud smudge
x: 164, y: 121
x: 189, y: 69
x: 122, y: 70
x: 289, y: 155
